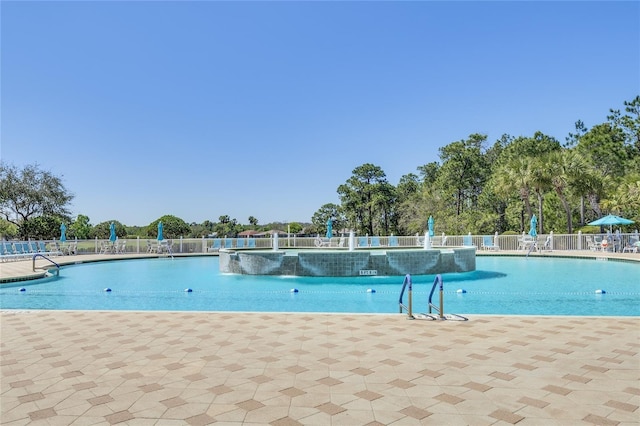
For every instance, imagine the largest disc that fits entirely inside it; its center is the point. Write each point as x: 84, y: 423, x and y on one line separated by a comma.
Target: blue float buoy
x: 371, y: 290
x: 107, y: 289
x: 600, y: 291
x: 461, y: 290
x: 188, y: 290
x: 23, y: 289
x: 294, y: 290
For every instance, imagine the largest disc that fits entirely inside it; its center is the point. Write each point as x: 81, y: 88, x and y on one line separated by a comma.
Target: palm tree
x: 565, y: 168
x: 517, y: 175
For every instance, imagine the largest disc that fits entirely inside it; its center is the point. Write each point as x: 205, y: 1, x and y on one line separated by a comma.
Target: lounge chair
x: 489, y: 244
x: 251, y: 243
x: 363, y: 241
x: 393, y: 241
x: 228, y: 243
x: 215, y: 246
x: 240, y: 243
x: 467, y: 241
x: 7, y: 253
x: 375, y: 241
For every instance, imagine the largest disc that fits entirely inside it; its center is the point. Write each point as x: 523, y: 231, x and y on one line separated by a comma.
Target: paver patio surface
x: 173, y: 368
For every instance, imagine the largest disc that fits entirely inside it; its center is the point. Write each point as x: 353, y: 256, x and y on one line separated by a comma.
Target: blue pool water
x: 500, y: 285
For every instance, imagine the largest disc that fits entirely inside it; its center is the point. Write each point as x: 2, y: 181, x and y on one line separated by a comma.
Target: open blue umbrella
x: 533, y: 231
x: 329, y: 228
x: 430, y: 226
x: 112, y: 229
x: 160, y: 238
x: 611, y: 219
x: 63, y: 232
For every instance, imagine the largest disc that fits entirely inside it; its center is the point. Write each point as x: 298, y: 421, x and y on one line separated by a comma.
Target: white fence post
x: 579, y: 240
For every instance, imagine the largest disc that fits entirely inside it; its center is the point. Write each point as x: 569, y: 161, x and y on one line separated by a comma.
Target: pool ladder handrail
x: 437, y: 282
x: 408, y: 306
x: 440, y: 310
x: 33, y: 263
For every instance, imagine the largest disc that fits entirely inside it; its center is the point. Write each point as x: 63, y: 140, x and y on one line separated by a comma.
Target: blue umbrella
x: 160, y: 231
x: 534, y: 225
x: 611, y: 219
x: 329, y: 228
x: 112, y: 229
x: 63, y: 230
x: 430, y: 226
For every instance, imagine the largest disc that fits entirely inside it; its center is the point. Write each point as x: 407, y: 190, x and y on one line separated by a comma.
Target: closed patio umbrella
x: 160, y: 238
x: 112, y: 229
x: 430, y: 226
x: 533, y: 231
x: 329, y: 228
x: 63, y: 232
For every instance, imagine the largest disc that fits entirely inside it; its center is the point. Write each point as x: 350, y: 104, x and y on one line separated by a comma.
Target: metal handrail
x: 440, y: 310
x: 408, y: 307
x: 33, y: 262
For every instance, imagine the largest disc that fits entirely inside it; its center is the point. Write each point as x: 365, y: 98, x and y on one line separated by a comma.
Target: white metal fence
x: 556, y: 242
x: 502, y: 242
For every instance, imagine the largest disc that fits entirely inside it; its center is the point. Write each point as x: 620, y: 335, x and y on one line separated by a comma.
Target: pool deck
x: 197, y: 368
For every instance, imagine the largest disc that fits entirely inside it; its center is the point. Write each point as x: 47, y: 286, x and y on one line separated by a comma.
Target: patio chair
x: 106, y: 247
x: 121, y: 247
x: 375, y: 241
x: 393, y: 241
x: 168, y: 247
x: 489, y: 244
x: 467, y: 241
x: 632, y: 246
x: 320, y: 242
x: 251, y: 243
x: 546, y: 246
x: 363, y: 241
x: 240, y: 243
x: 525, y: 242
x: 71, y: 248
x: 592, y: 244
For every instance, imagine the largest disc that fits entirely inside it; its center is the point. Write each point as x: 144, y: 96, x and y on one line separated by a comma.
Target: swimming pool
x: 500, y: 285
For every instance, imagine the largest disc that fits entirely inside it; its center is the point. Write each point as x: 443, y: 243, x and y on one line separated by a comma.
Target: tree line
x: 483, y: 187
x: 477, y: 186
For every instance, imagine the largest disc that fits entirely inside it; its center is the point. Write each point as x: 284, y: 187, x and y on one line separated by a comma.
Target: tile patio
x: 157, y: 368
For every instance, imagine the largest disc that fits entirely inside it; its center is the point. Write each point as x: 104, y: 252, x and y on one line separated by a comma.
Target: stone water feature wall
x: 339, y: 263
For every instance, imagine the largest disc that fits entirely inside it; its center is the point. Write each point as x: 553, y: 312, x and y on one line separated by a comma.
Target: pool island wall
x: 341, y: 263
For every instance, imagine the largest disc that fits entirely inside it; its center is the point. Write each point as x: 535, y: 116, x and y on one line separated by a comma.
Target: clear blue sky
x: 200, y: 109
